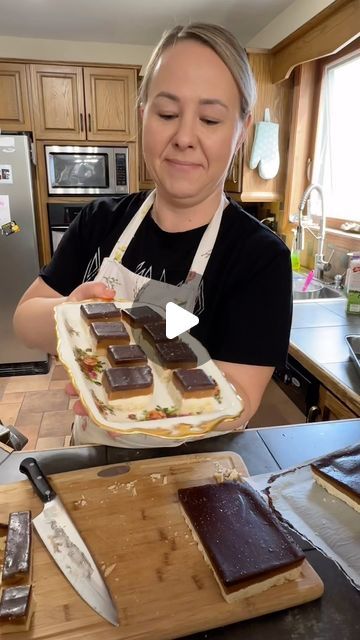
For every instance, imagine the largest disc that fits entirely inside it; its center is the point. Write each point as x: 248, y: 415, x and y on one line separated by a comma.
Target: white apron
x: 134, y: 287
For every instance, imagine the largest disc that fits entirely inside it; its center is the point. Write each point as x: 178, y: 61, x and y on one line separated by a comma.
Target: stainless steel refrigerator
x: 19, y: 260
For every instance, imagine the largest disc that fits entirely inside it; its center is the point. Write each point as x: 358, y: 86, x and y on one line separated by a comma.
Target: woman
x: 195, y: 103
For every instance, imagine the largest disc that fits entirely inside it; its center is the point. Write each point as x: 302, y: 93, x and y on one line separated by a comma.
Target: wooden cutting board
x: 129, y: 516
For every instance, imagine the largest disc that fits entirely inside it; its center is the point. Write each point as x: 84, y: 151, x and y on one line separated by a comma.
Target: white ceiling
x: 138, y: 22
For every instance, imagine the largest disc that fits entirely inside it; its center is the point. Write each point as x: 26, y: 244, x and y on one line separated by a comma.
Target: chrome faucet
x: 320, y: 264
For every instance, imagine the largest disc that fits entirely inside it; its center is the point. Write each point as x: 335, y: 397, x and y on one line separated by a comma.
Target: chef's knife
x: 66, y: 547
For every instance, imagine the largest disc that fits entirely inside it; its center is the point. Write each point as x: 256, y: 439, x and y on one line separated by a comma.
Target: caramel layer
x: 194, y: 383
x: 106, y: 334
x: 128, y: 382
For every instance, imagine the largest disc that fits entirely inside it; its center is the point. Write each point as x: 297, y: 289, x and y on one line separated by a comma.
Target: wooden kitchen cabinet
x: 58, y: 102
x: 14, y: 102
x: 145, y: 179
x: 332, y: 408
x: 278, y: 98
x: 110, y: 101
x: 84, y: 103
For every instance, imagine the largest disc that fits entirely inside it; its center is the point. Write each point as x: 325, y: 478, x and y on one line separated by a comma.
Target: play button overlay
x: 178, y: 320
x: 163, y: 314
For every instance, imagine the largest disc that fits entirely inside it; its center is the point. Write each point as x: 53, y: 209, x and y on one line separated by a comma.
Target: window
x: 336, y: 159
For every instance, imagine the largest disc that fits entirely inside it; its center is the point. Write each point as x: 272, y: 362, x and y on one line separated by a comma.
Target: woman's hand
x: 34, y: 321
x: 78, y: 407
x: 89, y: 290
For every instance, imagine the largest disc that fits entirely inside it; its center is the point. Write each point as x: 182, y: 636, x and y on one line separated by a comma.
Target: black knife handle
x: 30, y: 467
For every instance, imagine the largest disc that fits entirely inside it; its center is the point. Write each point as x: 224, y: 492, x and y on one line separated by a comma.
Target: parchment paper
x: 326, y: 522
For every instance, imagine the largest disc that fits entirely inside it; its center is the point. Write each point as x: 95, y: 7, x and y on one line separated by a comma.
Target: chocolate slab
x: 138, y: 316
x: 15, y: 604
x: 107, y: 333
x: 342, y: 470
x: 241, y: 536
x: 100, y: 311
x: 18, y: 548
x: 190, y: 381
x: 174, y: 355
x: 120, y: 356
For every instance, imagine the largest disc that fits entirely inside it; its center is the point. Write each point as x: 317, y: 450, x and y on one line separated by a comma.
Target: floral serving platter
x: 164, y: 415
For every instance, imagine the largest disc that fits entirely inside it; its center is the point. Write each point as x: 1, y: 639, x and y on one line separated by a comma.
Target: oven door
x: 56, y: 236
x: 60, y: 218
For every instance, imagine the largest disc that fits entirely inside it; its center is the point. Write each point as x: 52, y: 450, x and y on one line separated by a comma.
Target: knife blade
x: 66, y: 547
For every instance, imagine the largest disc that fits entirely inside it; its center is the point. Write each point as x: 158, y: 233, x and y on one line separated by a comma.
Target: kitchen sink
x: 317, y: 290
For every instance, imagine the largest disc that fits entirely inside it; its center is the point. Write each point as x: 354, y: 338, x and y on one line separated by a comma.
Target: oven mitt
x: 265, y: 149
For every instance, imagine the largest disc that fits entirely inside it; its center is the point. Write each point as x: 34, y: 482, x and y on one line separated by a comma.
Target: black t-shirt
x: 245, y: 301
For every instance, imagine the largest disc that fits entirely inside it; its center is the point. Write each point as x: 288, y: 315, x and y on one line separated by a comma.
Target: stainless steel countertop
x: 318, y: 341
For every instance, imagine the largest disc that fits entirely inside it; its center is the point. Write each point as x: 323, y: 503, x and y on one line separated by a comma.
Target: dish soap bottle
x: 353, y: 285
x: 295, y: 254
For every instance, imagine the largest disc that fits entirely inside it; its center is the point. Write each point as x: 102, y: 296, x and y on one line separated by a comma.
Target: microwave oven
x: 94, y: 171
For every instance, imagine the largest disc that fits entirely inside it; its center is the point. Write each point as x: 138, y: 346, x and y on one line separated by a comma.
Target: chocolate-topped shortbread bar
x: 138, y: 316
x: 175, y: 355
x: 17, y: 555
x: 194, y: 383
x: 128, y: 382
x: 155, y: 332
x: 193, y: 391
x: 339, y: 474
x: 15, y: 609
x: 104, y: 334
x: 126, y: 356
x: 240, y: 538
x: 100, y: 311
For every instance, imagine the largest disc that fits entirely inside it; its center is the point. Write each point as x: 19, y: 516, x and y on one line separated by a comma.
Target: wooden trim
x: 71, y: 63
x: 301, y: 138
x: 327, y: 33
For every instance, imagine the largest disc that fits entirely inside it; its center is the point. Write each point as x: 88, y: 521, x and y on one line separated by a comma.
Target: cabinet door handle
x: 81, y: 122
x: 89, y: 122
x: 235, y: 171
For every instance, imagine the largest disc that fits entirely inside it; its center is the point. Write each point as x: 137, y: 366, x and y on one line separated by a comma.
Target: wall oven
x: 92, y: 171
x: 60, y: 217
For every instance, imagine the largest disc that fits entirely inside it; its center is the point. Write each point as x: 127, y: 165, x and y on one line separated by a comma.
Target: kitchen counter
x: 317, y: 341
x: 333, y: 616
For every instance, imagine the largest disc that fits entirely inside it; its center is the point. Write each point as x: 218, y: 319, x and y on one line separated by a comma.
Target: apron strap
x: 204, y: 249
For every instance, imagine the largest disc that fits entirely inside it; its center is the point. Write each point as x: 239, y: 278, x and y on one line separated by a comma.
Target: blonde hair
x: 223, y: 43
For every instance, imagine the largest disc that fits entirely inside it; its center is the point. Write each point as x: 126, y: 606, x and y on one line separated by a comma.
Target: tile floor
x: 39, y: 407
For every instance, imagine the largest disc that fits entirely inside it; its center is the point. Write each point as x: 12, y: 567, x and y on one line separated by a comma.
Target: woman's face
x: 191, y: 122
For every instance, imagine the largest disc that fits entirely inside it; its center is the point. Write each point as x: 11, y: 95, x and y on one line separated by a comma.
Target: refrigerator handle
x: 33, y: 153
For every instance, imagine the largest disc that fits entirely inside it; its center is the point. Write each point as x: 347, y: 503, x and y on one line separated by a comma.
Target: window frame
x: 323, y: 63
